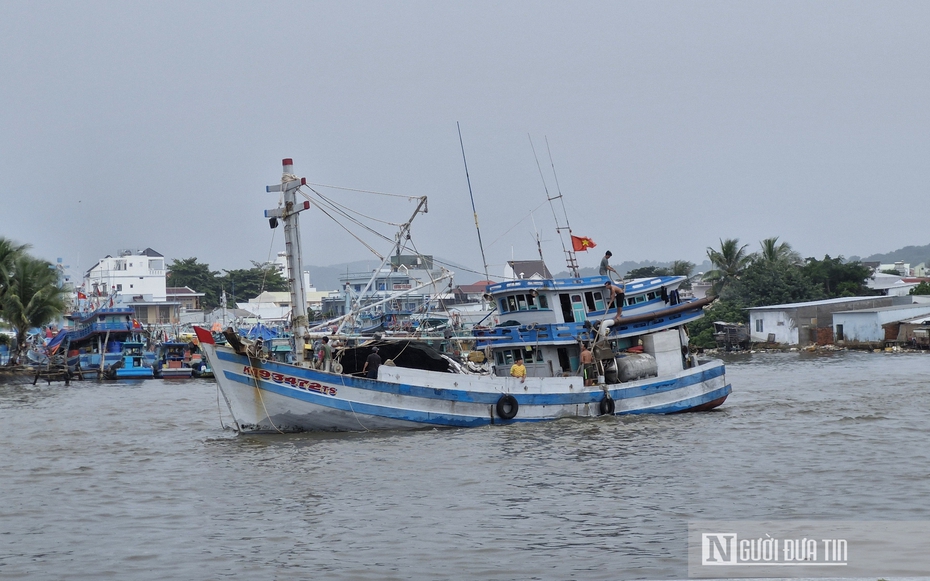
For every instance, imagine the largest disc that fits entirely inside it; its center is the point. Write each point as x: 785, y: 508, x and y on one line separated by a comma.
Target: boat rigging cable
x: 570, y: 258
x: 472, y: 196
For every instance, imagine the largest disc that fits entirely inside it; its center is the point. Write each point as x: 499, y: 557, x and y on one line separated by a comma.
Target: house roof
x: 182, y: 291
x: 529, y: 268
x: 911, y: 306
x: 812, y: 303
x: 476, y: 287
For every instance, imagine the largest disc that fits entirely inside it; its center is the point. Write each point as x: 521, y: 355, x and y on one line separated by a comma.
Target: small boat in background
x: 172, y: 361
x: 133, y: 363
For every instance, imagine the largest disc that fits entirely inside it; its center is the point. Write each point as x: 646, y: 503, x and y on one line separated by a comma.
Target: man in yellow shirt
x: 518, y: 370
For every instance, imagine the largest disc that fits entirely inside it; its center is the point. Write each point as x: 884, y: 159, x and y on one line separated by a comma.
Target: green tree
x: 32, y: 298
x: 921, y: 289
x: 838, y: 278
x: 772, y: 251
x: 10, y: 252
x: 701, y: 331
x: 765, y: 283
x: 647, y: 272
x: 243, y: 284
x: 198, y: 276
x: 728, y: 262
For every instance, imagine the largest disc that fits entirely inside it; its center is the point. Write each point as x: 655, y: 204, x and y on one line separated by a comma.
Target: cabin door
x: 566, y: 303
x: 578, y: 308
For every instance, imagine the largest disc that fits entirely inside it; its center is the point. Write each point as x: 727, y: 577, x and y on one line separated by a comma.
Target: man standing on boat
x: 616, y: 293
x: 605, y: 266
x: 518, y: 370
x: 372, y: 364
x: 326, y: 355
x: 587, y: 365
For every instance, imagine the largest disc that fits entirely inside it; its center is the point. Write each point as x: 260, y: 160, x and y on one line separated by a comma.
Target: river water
x: 141, y: 481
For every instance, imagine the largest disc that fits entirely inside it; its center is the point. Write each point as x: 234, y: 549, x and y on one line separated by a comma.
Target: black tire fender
x: 607, y: 406
x: 507, y: 407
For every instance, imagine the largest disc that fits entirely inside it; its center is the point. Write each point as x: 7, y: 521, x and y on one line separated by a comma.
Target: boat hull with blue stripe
x: 266, y: 396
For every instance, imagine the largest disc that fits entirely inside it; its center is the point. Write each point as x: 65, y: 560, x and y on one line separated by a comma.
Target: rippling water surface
x: 140, y: 480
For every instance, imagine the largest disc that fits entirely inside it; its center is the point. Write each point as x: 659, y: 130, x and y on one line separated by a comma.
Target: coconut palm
x: 729, y: 262
x: 32, y: 298
x: 772, y: 251
x: 9, y: 253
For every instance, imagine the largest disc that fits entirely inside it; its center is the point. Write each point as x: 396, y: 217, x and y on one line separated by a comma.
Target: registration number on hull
x: 290, y: 380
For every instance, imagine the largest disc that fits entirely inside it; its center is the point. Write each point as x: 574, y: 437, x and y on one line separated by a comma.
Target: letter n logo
x: 718, y: 548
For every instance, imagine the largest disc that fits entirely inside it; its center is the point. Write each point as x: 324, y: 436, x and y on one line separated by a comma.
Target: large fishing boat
x: 640, y: 362
x: 98, y: 343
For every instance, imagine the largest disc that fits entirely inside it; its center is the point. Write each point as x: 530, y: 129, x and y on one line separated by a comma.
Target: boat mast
x: 571, y: 259
x: 289, y: 213
x: 484, y: 260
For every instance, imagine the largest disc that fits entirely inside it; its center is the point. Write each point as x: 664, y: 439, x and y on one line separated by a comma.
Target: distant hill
x: 913, y: 255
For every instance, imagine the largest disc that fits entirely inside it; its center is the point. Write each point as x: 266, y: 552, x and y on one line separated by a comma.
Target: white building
x: 135, y: 278
x: 865, y: 325
x: 130, y: 273
x: 799, y: 323
x: 890, y: 284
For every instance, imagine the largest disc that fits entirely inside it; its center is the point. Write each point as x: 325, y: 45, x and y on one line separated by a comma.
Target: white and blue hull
x: 265, y: 396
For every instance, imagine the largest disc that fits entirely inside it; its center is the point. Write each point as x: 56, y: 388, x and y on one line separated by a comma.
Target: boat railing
x: 98, y: 328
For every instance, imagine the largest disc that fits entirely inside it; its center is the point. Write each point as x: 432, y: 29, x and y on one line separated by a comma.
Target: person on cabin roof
x: 616, y: 293
x: 589, y: 369
x: 372, y: 364
x: 518, y: 370
x: 605, y: 267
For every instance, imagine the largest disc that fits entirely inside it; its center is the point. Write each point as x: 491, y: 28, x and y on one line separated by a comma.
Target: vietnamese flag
x: 582, y: 243
x: 81, y: 295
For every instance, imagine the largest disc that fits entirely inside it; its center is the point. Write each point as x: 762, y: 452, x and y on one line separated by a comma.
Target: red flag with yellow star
x: 582, y: 243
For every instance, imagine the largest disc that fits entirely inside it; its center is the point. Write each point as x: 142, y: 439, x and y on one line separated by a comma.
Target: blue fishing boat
x: 133, y: 363
x: 95, y: 344
x: 638, y: 363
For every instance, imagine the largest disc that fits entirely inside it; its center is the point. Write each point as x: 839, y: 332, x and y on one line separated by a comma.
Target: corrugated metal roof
x: 813, y: 303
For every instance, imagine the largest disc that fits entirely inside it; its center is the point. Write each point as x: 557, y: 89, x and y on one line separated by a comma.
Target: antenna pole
x: 472, y: 196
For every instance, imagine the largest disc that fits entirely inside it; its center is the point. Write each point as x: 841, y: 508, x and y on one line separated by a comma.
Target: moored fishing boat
x: 172, y: 361
x: 641, y: 360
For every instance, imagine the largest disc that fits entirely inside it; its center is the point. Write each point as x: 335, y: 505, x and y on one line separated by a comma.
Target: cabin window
x: 381, y: 286
x: 521, y: 303
x: 650, y: 295
x: 531, y: 302
x: 758, y: 325
x: 511, y: 304
x: 503, y: 305
x: 594, y: 300
x: 119, y: 287
x: 358, y: 288
x: 543, y: 302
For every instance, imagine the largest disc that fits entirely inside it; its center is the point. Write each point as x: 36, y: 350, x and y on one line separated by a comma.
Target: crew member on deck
x: 518, y: 370
x: 616, y: 293
x: 605, y: 267
x: 589, y: 369
x: 372, y: 364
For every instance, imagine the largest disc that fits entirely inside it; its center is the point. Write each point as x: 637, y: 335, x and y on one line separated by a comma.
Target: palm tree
x: 9, y: 253
x: 774, y: 252
x: 32, y: 298
x: 729, y: 262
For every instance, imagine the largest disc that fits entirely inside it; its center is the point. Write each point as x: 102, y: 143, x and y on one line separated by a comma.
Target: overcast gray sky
x: 671, y: 124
